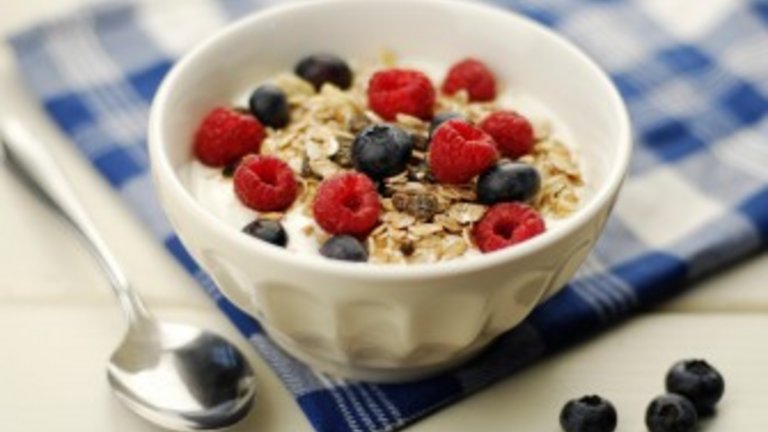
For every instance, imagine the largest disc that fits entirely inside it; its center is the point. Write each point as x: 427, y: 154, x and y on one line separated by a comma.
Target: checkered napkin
x: 695, y: 76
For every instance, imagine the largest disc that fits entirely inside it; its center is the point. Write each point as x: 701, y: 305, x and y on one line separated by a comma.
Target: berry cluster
x: 693, y: 389
x: 347, y: 206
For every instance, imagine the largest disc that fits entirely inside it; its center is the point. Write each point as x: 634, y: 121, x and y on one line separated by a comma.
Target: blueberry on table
x: 268, y: 231
x: 323, y: 68
x: 508, y: 182
x: 382, y: 151
x: 671, y: 413
x: 698, y: 381
x: 344, y: 248
x: 588, y: 414
x: 441, y: 118
x: 269, y: 104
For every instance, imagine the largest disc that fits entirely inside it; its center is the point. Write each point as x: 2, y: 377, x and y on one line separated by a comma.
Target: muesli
x: 385, y: 168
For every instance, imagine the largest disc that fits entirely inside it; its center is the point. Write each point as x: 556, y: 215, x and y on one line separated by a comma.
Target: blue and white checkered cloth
x: 695, y: 76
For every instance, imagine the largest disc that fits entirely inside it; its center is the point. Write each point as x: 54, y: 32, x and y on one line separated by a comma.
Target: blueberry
x: 323, y: 68
x: 268, y: 231
x: 698, y: 381
x: 671, y: 413
x: 588, y: 414
x: 441, y: 118
x: 345, y: 248
x: 269, y: 104
x: 512, y: 181
x: 382, y: 151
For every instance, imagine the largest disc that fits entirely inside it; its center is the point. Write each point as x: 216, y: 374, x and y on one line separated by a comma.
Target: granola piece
x: 425, y: 230
x: 412, y: 124
x: 324, y: 168
x: 293, y: 86
x: 271, y: 216
x: 419, y: 172
x: 453, y: 246
x: 561, y: 178
x: 420, y: 142
x: 320, y: 144
x: 343, y: 156
x: 357, y: 123
x: 398, y: 219
x: 413, y: 187
x: 449, y: 224
x: 306, y: 169
x: 466, y: 213
x: 308, y: 230
x: 407, y: 248
x: 387, y: 205
x: 423, y: 206
x: 401, y: 201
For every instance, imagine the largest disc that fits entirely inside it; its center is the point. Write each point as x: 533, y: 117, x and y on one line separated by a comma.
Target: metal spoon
x: 178, y: 376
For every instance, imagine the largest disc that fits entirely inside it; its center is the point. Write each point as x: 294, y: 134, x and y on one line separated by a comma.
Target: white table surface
x: 59, y: 323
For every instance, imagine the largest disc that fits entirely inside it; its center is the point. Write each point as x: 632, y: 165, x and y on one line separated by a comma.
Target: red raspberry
x: 265, y: 183
x: 474, y: 77
x: 512, y: 132
x: 459, y: 151
x: 506, y: 224
x: 225, y: 136
x: 403, y: 91
x: 347, y: 204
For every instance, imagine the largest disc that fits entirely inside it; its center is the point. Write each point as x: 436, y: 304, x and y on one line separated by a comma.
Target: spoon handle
x: 32, y: 163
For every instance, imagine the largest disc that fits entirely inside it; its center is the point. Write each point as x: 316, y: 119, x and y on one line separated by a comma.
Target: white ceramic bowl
x: 375, y: 322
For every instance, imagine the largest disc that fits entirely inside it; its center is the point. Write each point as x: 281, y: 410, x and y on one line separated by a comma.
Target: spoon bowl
x: 181, y: 377
x: 178, y: 376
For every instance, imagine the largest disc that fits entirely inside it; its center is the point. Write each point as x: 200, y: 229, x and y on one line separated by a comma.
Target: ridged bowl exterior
x: 378, y: 329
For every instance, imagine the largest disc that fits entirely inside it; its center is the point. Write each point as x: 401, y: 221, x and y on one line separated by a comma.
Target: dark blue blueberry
x: 698, y: 381
x: 323, y: 68
x: 512, y: 181
x: 441, y: 118
x: 588, y: 414
x: 671, y: 413
x: 269, y: 104
x: 268, y: 231
x: 382, y: 151
x: 345, y: 248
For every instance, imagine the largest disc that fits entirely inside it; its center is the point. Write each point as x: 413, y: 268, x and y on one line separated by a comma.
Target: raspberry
x: 405, y: 91
x: 347, y: 204
x: 507, y: 224
x: 474, y: 77
x: 265, y: 183
x: 226, y: 135
x: 459, y: 151
x: 512, y: 132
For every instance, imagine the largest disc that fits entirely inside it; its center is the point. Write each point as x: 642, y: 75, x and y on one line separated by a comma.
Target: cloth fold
x: 696, y: 198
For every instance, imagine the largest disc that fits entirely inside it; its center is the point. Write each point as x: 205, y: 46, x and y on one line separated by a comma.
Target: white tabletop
x: 59, y: 324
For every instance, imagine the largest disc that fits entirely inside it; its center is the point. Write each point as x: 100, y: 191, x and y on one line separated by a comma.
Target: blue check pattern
x: 696, y: 199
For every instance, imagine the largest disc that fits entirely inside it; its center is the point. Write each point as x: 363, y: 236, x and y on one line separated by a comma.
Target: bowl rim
x: 163, y: 171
